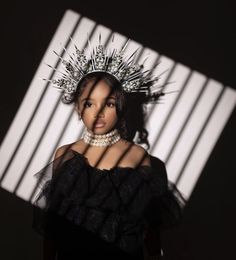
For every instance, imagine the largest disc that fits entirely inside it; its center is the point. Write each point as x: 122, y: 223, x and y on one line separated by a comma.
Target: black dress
x: 89, y: 212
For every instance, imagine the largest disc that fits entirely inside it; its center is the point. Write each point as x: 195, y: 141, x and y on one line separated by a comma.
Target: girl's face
x: 97, y: 107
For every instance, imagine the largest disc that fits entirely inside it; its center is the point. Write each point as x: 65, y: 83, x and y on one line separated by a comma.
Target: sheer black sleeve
x: 165, y: 209
x: 47, y: 177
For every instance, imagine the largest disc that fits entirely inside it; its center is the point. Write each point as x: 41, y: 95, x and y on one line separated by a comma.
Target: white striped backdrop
x: 182, y: 132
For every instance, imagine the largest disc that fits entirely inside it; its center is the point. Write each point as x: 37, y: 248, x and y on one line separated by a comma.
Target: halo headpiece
x: 131, y: 76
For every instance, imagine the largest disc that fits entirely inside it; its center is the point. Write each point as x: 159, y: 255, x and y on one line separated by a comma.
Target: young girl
x: 106, y: 197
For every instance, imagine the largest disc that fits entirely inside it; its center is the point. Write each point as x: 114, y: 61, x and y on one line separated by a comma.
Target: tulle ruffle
x: 114, y: 204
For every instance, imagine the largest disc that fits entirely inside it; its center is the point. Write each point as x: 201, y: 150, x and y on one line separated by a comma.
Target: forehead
x: 97, y: 90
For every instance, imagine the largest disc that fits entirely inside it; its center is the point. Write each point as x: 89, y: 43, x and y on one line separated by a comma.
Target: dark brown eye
x: 87, y: 104
x: 110, y: 104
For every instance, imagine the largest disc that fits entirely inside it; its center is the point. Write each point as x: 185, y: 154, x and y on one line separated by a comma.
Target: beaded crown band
x: 131, y: 76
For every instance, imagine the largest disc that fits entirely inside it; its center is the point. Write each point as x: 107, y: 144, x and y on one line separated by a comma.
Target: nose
x: 100, y: 111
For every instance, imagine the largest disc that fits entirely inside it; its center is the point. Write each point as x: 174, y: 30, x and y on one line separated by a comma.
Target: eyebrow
x: 85, y: 99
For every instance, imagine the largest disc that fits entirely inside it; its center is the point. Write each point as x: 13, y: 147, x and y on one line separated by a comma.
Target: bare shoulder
x: 62, y: 150
x: 138, y: 154
x: 142, y: 155
x: 77, y: 146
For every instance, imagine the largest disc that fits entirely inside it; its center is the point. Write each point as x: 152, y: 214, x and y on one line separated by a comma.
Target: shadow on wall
x: 18, y: 240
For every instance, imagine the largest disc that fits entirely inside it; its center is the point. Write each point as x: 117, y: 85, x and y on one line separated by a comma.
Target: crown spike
x: 163, y: 72
x: 72, y: 40
x: 58, y: 55
x: 55, y: 69
x: 130, y: 75
x: 112, y: 37
x: 125, y: 46
x: 155, y: 65
x: 88, y: 41
x: 100, y: 38
x: 136, y: 54
x: 66, y: 51
x: 145, y: 59
x: 133, y: 55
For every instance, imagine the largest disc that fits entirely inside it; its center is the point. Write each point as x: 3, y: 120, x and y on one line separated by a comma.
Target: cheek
x: 86, y: 116
x: 112, y: 114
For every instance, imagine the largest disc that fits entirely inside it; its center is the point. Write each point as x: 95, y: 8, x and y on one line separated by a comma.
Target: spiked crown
x: 131, y: 76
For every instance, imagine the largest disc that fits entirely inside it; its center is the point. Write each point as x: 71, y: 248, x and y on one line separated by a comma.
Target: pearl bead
x: 102, y: 139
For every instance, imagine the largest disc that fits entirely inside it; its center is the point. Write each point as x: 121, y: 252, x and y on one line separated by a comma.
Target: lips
x: 99, y: 123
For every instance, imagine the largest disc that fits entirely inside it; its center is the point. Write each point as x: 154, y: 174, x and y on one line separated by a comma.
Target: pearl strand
x: 101, y: 139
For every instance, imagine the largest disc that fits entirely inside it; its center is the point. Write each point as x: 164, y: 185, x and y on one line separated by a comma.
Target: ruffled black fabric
x: 113, y: 205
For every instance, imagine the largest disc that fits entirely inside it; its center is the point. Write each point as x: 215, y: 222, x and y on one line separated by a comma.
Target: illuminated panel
x: 178, y: 128
x: 180, y: 111
x: 206, y: 143
x: 192, y: 129
x: 32, y: 116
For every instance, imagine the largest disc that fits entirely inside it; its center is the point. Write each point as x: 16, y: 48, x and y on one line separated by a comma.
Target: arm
x: 152, y: 240
x: 60, y: 156
x: 49, y: 246
x: 141, y: 156
x: 61, y: 150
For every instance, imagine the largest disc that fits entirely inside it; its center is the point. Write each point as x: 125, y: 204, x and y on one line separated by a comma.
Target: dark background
x: 200, y: 35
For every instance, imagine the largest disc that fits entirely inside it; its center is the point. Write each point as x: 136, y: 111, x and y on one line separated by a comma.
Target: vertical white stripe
x: 62, y: 113
x: 159, y: 111
x: 64, y: 116
x: 32, y: 96
x: 150, y: 57
x: 179, y: 115
x: 193, y: 128
x: 207, y: 142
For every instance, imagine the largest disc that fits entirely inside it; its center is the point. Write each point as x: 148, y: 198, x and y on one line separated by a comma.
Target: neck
x: 106, y: 139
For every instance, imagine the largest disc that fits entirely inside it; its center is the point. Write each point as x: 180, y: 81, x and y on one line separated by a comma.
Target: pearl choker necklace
x: 102, y: 139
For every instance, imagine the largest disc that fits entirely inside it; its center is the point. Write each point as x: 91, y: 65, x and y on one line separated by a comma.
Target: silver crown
x: 131, y: 76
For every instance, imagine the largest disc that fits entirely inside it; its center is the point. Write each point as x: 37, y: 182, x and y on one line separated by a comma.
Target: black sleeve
x: 165, y: 209
x: 49, y: 178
